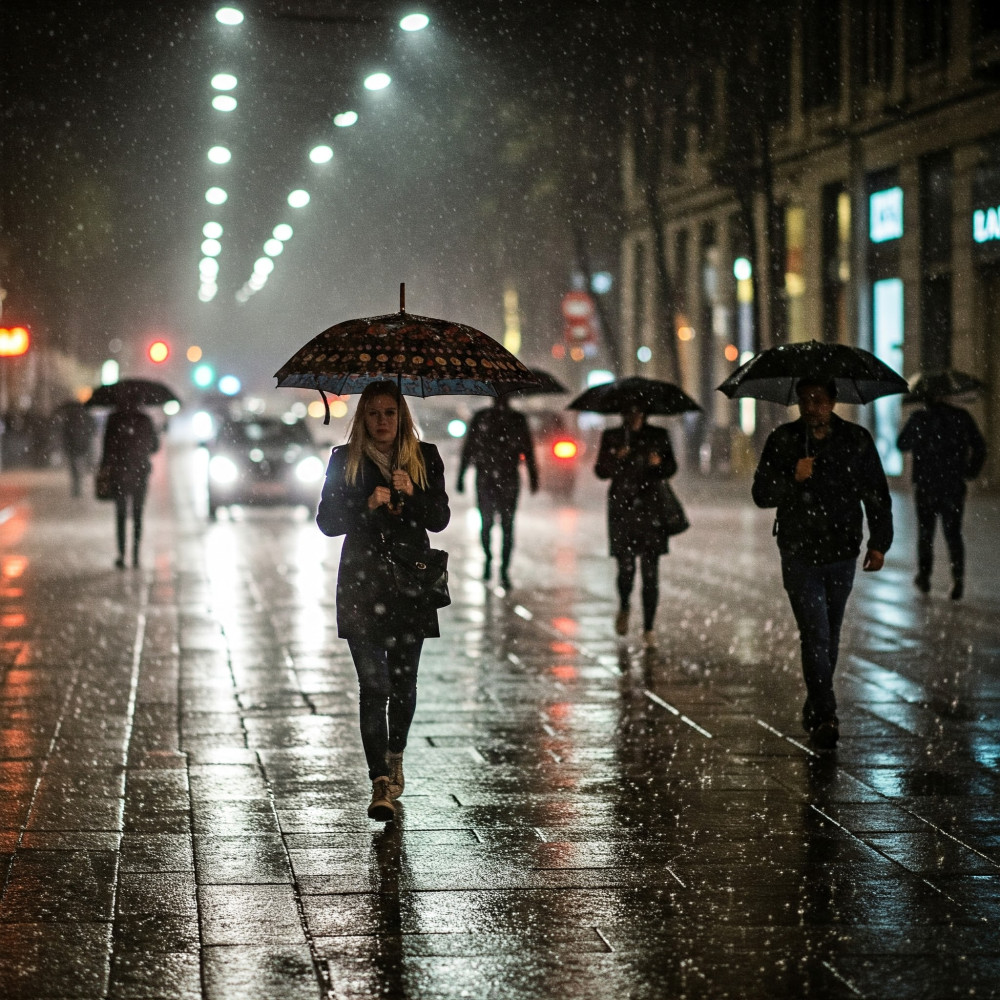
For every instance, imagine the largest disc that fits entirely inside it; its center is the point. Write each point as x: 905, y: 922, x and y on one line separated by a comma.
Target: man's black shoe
x: 826, y: 734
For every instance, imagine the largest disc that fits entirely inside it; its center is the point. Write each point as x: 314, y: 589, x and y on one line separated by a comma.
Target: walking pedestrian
x: 76, y: 433
x: 129, y: 439
x: 497, y: 442
x: 384, y: 489
x: 637, y: 457
x: 819, y: 471
x: 948, y: 449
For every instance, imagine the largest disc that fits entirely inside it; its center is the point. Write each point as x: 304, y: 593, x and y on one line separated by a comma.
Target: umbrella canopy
x: 941, y: 382
x: 426, y: 357
x: 134, y: 391
x: 547, y: 385
x: 635, y: 393
x: 773, y: 374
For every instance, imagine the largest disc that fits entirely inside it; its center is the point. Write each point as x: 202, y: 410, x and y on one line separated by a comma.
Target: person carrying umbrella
x: 637, y: 457
x: 384, y: 489
x: 819, y: 472
x: 497, y: 441
x: 129, y: 439
x: 948, y: 449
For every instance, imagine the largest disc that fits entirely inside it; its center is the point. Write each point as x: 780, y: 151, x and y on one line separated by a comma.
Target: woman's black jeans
x: 137, y: 498
x: 650, y: 565
x: 387, y: 682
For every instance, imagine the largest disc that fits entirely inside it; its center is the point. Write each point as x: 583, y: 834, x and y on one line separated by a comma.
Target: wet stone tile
x: 59, y: 886
x: 156, y: 932
x: 156, y: 852
x: 249, y: 915
x: 250, y: 859
x: 156, y: 892
x: 260, y: 973
x: 151, y: 976
x: 54, y: 960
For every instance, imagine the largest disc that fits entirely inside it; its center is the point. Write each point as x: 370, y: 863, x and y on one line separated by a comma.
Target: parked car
x: 559, y: 448
x: 263, y: 460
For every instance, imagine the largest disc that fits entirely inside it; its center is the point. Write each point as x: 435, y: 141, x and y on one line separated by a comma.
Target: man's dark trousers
x: 818, y: 595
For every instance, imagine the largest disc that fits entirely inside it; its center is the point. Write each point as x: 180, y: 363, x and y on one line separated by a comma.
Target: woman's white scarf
x: 382, y: 459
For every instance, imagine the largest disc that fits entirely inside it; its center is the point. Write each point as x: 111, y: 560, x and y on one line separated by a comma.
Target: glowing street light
x: 211, y: 248
x: 215, y: 196
x: 345, y: 119
x: 414, y: 22
x: 321, y: 154
x: 208, y: 268
x: 282, y: 232
x: 219, y: 154
x: 224, y: 81
x: 273, y: 247
x: 211, y: 230
x: 229, y: 15
x: 377, y: 81
x: 223, y: 102
x: 298, y: 198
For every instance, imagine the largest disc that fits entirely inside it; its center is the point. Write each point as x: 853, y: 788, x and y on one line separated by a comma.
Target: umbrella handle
x: 402, y: 296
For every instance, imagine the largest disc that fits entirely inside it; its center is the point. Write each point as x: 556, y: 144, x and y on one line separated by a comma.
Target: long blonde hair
x: 410, y: 457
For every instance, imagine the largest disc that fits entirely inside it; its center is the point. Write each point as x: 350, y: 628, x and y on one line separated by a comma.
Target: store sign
x: 986, y: 225
x: 885, y: 215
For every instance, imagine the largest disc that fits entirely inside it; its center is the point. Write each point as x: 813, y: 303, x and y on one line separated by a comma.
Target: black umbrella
x: 635, y: 393
x: 941, y: 382
x: 773, y: 374
x: 134, y: 391
x: 547, y: 385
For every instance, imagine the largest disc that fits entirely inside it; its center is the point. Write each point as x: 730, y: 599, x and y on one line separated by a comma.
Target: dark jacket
x: 635, y: 497
x: 820, y: 520
x: 947, y: 449
x: 368, y: 606
x: 497, y: 441
x: 129, y: 439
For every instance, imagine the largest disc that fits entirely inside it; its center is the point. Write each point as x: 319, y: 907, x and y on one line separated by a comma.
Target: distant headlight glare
x: 223, y: 470
x: 309, y: 470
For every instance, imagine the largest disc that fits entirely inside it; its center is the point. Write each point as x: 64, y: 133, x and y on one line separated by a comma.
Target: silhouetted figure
x: 497, y: 442
x: 637, y: 457
x: 819, y: 471
x: 948, y: 449
x: 129, y: 439
x: 384, y: 629
x: 76, y: 434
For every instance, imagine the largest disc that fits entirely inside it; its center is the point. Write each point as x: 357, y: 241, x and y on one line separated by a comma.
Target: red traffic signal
x: 14, y: 341
x: 158, y: 352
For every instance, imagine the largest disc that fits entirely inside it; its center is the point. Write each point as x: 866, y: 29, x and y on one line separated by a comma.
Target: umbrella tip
x: 402, y: 296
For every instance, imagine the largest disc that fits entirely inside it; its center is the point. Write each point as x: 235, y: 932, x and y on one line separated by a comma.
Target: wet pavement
x: 183, y: 792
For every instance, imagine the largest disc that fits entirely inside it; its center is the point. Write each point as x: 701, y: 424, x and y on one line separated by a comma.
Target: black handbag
x: 674, y: 519
x: 420, y: 573
x: 102, y: 484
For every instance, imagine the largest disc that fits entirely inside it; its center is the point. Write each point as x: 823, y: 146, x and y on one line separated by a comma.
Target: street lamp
x: 321, y: 154
x: 298, y: 198
x: 414, y: 22
x: 219, y: 154
x: 229, y: 16
x: 377, y: 81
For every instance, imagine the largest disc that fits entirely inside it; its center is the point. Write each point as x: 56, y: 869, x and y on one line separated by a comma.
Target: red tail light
x: 564, y: 448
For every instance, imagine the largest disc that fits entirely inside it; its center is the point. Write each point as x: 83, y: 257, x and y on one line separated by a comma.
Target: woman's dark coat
x: 368, y: 606
x: 635, y: 499
x: 129, y: 439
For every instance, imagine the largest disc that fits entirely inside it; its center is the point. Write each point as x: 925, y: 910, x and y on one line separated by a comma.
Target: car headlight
x: 223, y: 470
x: 309, y: 470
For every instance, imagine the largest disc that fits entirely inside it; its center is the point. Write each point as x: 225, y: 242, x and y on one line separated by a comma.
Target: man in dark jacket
x: 819, y: 471
x: 497, y: 442
x: 947, y: 450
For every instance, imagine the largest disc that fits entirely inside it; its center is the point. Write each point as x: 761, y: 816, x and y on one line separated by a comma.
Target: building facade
x: 864, y: 209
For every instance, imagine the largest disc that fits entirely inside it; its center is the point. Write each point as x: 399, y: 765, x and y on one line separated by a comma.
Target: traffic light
x: 158, y: 352
x: 14, y: 341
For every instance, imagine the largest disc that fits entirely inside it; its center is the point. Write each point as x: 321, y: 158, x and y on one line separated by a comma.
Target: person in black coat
x: 637, y: 457
x: 820, y: 471
x: 385, y: 631
x: 948, y: 449
x: 497, y: 442
x: 129, y: 439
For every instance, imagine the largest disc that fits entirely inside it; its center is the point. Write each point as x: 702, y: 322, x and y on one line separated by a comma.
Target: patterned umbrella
x: 773, y: 374
x: 425, y: 356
